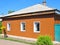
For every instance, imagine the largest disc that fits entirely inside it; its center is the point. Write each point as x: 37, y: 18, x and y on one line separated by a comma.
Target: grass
x: 16, y: 40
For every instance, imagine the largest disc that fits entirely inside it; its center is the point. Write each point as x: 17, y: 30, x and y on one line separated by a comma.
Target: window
x: 22, y: 26
x: 8, y: 26
x: 36, y: 27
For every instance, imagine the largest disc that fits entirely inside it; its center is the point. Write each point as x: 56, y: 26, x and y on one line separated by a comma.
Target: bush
x: 44, y: 40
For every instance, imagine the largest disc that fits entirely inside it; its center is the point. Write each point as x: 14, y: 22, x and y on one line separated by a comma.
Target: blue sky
x: 6, y: 5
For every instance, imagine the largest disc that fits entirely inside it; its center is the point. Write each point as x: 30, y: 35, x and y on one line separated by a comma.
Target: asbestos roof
x: 34, y: 8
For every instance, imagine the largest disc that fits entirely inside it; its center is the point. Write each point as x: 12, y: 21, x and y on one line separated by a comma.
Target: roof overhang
x: 31, y: 14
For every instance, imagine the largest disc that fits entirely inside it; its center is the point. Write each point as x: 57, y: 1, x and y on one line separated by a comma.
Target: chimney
x: 44, y: 2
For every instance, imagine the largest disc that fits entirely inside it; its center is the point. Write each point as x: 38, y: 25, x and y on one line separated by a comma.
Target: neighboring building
x: 0, y: 19
x: 33, y: 21
x: 0, y: 16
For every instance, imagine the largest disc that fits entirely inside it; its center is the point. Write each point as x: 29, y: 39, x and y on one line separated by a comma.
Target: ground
x: 6, y: 42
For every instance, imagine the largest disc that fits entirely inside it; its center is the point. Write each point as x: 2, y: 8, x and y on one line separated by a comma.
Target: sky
x: 6, y: 5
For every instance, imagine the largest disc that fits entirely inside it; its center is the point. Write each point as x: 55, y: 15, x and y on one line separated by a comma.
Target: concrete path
x: 6, y: 42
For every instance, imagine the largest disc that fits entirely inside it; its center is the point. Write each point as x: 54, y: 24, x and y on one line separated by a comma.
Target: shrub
x: 44, y: 40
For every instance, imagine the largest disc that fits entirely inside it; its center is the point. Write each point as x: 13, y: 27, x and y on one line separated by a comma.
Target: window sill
x: 23, y: 30
x: 8, y: 30
x: 36, y: 31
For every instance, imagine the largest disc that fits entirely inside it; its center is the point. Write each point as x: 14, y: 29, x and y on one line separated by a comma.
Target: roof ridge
x: 33, y: 8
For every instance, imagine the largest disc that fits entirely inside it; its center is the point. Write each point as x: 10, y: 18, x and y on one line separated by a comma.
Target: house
x: 33, y: 21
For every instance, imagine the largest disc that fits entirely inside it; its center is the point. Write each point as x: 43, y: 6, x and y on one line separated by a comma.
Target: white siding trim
x: 22, y: 27
x: 8, y: 26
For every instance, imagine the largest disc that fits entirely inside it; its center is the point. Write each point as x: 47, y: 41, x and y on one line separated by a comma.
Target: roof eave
x: 32, y: 13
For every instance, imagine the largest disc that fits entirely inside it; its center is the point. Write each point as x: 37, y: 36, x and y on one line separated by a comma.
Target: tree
x: 3, y: 28
x: 10, y: 11
x: 0, y: 27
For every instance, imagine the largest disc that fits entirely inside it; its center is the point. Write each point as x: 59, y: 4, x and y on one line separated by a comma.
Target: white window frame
x: 35, y: 27
x: 8, y: 27
x: 22, y: 27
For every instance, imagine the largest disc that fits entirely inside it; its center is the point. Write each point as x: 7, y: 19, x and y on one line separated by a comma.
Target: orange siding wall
x: 57, y: 21
x: 46, y: 27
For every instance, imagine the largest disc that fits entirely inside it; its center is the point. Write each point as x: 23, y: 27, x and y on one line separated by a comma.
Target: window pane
x: 22, y: 26
x: 8, y: 26
x: 36, y: 26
